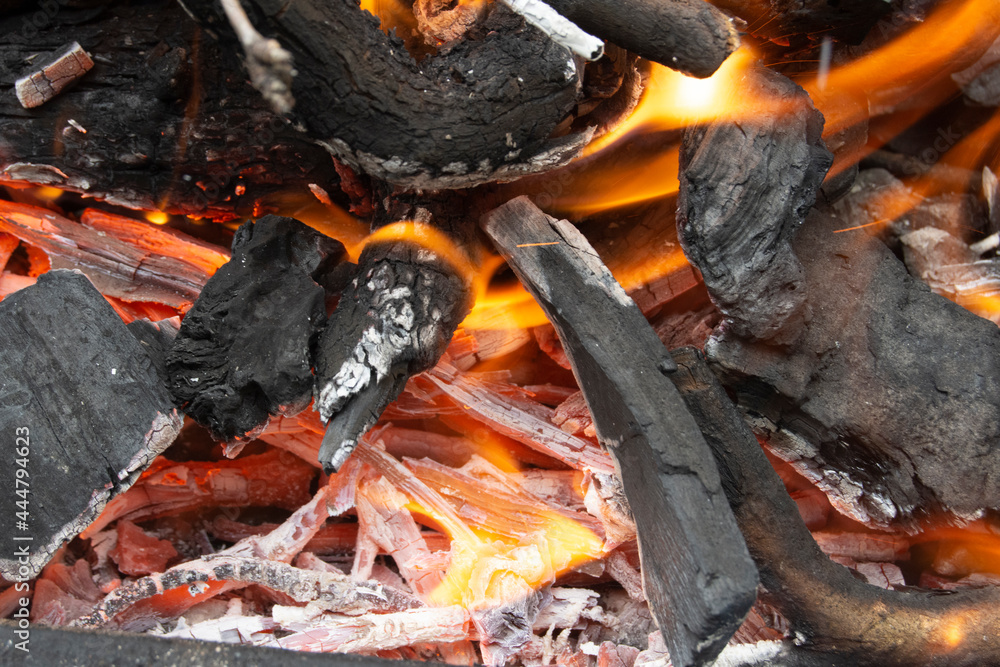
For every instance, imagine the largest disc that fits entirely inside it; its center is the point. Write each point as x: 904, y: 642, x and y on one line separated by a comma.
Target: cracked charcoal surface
x: 893, y: 386
x: 95, y: 410
x: 243, y: 351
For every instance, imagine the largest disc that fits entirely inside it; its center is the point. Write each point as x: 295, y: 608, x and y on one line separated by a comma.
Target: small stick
x: 558, y: 27
x: 50, y: 79
x: 270, y: 65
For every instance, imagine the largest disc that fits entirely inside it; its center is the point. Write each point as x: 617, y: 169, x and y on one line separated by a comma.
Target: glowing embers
x: 506, y: 542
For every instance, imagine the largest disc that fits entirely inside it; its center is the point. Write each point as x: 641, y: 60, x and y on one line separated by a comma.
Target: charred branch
x: 393, y: 321
x: 833, y: 613
x: 480, y: 110
x: 689, y: 36
x: 66, y: 354
x: 243, y: 352
x: 699, y: 579
x: 746, y: 186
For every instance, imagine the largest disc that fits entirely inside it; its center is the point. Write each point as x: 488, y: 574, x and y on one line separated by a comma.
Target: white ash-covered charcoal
x: 745, y: 187
x: 698, y: 576
x: 980, y: 82
x: 85, y: 411
x: 243, y: 350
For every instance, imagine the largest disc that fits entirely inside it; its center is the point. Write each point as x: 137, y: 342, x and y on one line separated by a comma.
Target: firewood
x: 692, y: 37
x: 85, y: 410
x: 361, y: 94
x: 243, y: 351
x: 745, y: 187
x: 51, y: 78
x: 832, y: 613
x: 393, y: 321
x: 699, y: 581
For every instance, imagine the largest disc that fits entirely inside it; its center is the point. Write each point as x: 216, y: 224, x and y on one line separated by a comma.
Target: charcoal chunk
x: 82, y: 411
x: 243, y: 351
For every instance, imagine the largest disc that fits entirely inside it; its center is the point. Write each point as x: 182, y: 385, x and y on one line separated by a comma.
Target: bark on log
x: 698, y: 577
x: 832, y: 613
x: 85, y: 411
x: 690, y: 36
x: 170, y: 122
x: 745, y: 186
x: 478, y: 111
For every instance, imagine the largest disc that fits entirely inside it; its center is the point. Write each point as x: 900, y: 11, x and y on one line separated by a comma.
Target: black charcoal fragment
x: 89, y: 405
x: 243, y: 350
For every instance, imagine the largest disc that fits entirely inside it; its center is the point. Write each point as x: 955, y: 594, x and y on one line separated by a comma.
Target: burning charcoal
x: 85, y: 405
x: 700, y: 582
x: 828, y: 609
x: 745, y: 188
x: 243, y: 351
x: 691, y: 37
x: 130, y: 260
x: 137, y: 553
x: 395, y: 320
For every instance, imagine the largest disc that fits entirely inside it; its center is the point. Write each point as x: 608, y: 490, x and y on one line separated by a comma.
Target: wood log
x: 698, y: 577
x: 84, y: 408
x: 745, y: 186
x: 786, y: 20
x: 243, y: 351
x: 889, y: 436
x: 691, y: 37
x: 835, y: 617
x: 480, y: 110
x: 162, y: 121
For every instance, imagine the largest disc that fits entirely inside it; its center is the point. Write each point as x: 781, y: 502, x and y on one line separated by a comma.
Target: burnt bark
x: 689, y: 36
x: 781, y: 20
x: 85, y: 411
x: 477, y: 111
x: 746, y: 184
x: 836, y: 617
x: 170, y: 121
x: 699, y: 579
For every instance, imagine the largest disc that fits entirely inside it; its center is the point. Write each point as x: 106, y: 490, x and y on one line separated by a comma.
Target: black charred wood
x: 689, y: 36
x: 890, y: 399
x: 83, y: 409
x: 745, y: 186
x: 393, y: 321
x: 836, y: 618
x: 243, y: 351
x: 796, y: 20
x: 699, y: 579
x: 170, y: 121
x: 477, y: 111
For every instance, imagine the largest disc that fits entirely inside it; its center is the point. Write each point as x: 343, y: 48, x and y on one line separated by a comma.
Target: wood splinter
x: 50, y: 79
x: 698, y: 576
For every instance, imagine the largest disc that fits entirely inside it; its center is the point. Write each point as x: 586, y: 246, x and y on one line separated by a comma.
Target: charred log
x: 67, y: 354
x: 692, y: 37
x: 698, y: 577
x: 393, y: 321
x: 480, y: 110
x: 746, y: 186
x: 780, y: 20
x: 835, y: 616
x: 162, y: 120
x: 243, y: 351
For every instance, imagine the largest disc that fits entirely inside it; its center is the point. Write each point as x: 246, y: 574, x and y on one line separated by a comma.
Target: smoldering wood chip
x: 82, y: 410
x: 50, y: 79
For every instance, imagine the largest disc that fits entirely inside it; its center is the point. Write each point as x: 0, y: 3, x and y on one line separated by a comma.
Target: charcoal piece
x: 89, y: 405
x: 846, y: 20
x: 890, y: 400
x: 393, y: 321
x: 690, y: 36
x: 243, y: 350
x: 835, y: 618
x: 980, y: 82
x: 698, y: 576
x: 745, y: 186
x: 156, y: 339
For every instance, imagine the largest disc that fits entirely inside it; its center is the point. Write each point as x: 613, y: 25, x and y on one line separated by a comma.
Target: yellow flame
x: 157, y: 217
